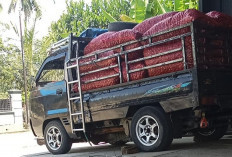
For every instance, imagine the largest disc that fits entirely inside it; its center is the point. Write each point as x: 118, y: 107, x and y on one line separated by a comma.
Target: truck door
x: 49, y: 97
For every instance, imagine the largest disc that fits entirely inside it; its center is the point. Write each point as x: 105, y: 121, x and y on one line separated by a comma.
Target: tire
x: 56, y: 138
x: 207, y: 135
x: 118, y: 26
x: 152, y: 124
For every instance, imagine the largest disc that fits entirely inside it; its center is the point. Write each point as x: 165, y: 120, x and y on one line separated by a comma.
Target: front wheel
x: 151, y: 129
x: 56, y: 138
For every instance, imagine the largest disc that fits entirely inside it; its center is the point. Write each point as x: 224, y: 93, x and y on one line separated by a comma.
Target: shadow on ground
x: 180, y: 147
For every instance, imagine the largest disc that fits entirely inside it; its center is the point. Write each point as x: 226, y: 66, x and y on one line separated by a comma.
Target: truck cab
x: 49, y: 95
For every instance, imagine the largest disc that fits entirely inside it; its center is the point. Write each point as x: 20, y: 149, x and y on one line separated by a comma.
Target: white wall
x: 7, y: 118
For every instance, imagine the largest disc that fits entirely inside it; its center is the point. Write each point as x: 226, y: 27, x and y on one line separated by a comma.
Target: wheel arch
x: 32, y: 129
x: 133, y: 109
x: 66, y: 126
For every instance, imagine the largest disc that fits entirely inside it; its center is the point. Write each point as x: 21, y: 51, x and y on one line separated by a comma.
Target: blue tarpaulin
x: 93, y: 32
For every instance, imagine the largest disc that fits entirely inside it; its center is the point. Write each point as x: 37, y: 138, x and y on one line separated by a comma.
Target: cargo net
x: 160, y: 45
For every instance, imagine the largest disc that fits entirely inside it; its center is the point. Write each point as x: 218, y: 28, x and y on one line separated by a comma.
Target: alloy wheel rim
x: 54, y: 138
x: 147, y: 130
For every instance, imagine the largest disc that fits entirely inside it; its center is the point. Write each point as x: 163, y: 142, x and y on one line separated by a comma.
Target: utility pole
x: 23, y: 62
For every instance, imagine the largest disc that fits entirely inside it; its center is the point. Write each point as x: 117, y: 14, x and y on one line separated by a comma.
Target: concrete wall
x: 7, y: 118
x: 16, y: 104
x: 11, y: 121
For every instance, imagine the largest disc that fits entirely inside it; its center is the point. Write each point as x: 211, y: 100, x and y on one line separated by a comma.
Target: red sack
x: 111, y: 81
x: 115, y: 39
x: 169, y: 46
x: 132, y: 55
x: 133, y: 76
x: 179, y: 19
x: 163, y: 69
x: 121, y: 37
x: 97, y: 43
x: 97, y: 84
x: 148, y: 23
x: 222, y: 19
x: 97, y: 65
x: 192, y: 15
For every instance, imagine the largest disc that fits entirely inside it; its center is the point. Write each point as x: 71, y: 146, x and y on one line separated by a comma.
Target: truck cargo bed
x: 174, y: 86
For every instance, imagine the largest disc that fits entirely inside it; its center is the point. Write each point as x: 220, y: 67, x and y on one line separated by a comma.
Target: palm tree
x: 28, y: 7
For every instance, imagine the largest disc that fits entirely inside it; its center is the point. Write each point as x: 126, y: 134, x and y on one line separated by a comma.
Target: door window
x: 53, y: 71
x: 52, y: 75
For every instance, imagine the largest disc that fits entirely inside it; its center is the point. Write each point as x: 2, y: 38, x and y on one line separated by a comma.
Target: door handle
x: 59, y: 91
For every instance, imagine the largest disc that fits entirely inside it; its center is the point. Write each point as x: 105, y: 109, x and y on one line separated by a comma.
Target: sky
x: 50, y: 12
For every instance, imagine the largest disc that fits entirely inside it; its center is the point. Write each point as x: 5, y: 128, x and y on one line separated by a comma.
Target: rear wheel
x: 56, y: 138
x: 151, y: 129
x: 214, y: 134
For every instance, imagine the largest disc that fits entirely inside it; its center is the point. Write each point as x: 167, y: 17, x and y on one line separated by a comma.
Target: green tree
x: 143, y: 9
x: 10, y: 72
x: 180, y: 5
x: 80, y: 16
x: 32, y: 13
x: 40, y: 51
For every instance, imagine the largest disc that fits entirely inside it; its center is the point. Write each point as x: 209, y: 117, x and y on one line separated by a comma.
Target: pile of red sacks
x: 149, y: 27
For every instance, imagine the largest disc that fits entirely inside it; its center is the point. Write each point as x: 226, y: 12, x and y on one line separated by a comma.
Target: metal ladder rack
x: 79, y: 97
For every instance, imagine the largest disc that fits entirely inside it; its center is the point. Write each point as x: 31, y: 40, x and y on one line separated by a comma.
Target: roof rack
x: 58, y: 45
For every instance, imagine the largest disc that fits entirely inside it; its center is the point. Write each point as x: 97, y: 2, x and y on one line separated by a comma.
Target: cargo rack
x: 73, y: 63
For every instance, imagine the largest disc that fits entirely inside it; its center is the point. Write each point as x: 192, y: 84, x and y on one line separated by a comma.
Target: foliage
x: 10, y: 72
x: 180, y: 5
x: 40, y: 52
x: 108, y: 16
x: 138, y: 10
x: 143, y: 9
x: 80, y: 16
x: 161, y: 7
